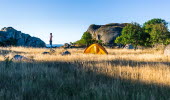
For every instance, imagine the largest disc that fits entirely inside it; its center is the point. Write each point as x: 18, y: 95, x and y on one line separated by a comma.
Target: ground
x: 121, y: 75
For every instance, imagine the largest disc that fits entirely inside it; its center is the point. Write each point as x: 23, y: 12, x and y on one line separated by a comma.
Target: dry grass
x: 121, y: 75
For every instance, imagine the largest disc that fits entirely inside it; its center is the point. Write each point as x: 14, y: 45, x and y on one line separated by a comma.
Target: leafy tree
x: 158, y: 30
x: 132, y: 34
x: 159, y: 34
x: 86, y: 39
x: 149, y: 24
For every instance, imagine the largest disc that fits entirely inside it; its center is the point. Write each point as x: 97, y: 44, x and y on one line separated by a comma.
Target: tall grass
x: 121, y: 75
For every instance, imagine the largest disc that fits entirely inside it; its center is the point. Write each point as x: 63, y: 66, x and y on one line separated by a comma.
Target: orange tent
x: 95, y: 49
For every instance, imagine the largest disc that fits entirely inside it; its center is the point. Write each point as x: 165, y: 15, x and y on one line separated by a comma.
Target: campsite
x: 85, y: 50
x: 117, y: 61
x: 127, y: 72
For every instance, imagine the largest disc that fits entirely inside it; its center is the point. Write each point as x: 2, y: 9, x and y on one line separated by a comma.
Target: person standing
x: 51, y: 36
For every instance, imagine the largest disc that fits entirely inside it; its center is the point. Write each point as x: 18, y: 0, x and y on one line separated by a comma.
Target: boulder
x: 107, y: 33
x: 65, y: 53
x: 21, y: 58
x: 9, y: 34
x: 66, y: 45
x: 128, y: 46
x: 52, y: 51
x: 46, y: 53
x: 167, y: 50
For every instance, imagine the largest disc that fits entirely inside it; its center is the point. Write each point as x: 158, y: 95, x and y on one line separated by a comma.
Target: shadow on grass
x: 136, y: 63
x: 71, y: 81
x: 127, y: 63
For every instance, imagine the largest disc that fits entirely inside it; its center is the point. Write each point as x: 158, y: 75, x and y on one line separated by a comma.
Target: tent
x: 95, y: 49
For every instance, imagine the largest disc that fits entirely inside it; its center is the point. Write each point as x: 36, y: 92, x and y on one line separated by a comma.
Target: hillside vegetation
x: 121, y: 75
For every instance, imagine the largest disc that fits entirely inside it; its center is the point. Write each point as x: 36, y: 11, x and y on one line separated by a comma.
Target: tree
x: 132, y: 34
x: 149, y: 24
x: 159, y: 34
x: 86, y: 39
x: 158, y: 30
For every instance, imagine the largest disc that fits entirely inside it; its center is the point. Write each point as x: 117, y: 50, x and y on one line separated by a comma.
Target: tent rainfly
x: 95, y: 49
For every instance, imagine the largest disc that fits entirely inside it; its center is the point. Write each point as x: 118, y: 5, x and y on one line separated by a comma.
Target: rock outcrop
x: 107, y: 33
x: 10, y: 36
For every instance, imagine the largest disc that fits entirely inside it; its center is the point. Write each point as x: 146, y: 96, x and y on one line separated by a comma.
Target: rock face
x: 9, y: 34
x: 107, y: 33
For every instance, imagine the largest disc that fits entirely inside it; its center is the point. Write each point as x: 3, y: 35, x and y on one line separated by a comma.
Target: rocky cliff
x: 10, y: 36
x: 107, y: 33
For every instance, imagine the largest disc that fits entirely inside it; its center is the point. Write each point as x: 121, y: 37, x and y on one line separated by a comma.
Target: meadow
x: 121, y: 75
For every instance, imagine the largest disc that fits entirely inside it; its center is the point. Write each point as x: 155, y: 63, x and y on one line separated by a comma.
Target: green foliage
x: 79, y: 42
x: 99, y: 41
x: 149, y: 24
x: 132, y: 34
x: 86, y: 39
x: 157, y: 30
x: 156, y: 21
x: 167, y: 41
x: 159, y: 34
x: 154, y: 32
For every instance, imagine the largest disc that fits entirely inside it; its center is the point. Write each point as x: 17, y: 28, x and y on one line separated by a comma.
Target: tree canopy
x: 132, y: 34
x: 159, y: 34
x: 148, y: 26
x: 154, y: 31
x: 157, y: 28
x: 86, y: 39
x: 156, y: 21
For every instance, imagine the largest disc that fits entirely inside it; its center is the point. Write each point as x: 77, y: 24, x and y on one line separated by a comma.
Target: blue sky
x: 68, y: 19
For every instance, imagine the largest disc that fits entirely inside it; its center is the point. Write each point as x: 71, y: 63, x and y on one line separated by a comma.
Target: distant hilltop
x: 10, y: 36
x: 107, y: 33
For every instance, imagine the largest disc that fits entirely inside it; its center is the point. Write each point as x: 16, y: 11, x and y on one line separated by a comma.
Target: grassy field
x: 121, y: 75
